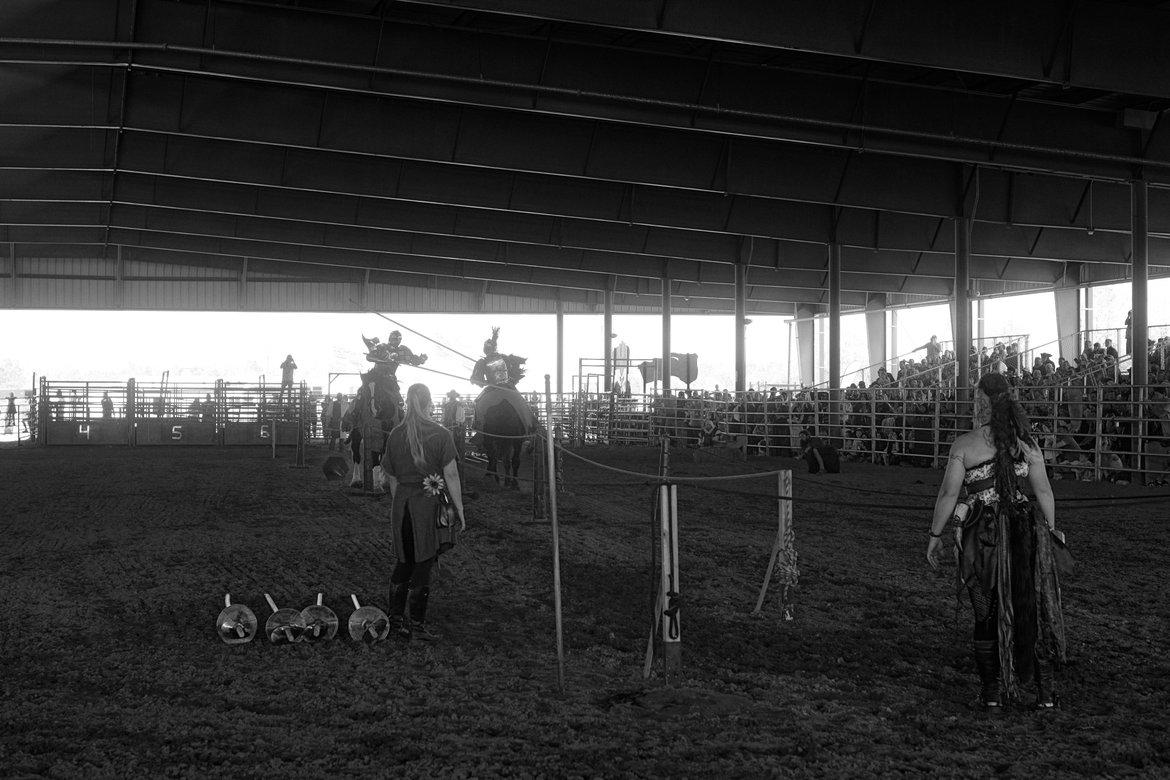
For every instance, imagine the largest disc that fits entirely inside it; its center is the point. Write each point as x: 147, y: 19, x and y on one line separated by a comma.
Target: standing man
x: 10, y: 414
x: 333, y: 424
x: 286, y: 378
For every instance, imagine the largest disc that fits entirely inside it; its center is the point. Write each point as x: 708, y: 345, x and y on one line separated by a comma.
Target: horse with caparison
x: 507, y: 422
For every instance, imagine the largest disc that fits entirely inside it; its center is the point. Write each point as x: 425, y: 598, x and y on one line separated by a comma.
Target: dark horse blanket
x: 493, y: 395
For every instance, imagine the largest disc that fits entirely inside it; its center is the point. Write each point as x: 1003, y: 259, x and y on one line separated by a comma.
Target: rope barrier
x: 655, y: 479
x: 659, y: 480
x: 415, y: 332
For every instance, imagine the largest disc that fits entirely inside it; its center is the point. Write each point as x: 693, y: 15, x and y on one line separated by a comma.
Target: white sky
x: 240, y: 347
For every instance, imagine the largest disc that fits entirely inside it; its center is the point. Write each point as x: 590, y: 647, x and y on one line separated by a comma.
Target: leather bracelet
x: 933, y: 535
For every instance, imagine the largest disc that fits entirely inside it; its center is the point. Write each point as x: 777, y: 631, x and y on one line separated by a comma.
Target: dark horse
x: 505, y: 429
x: 374, y: 412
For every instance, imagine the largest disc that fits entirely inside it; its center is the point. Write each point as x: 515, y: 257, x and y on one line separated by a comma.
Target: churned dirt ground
x: 115, y: 562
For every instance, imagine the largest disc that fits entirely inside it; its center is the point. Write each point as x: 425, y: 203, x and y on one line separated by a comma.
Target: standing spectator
x: 1128, y: 332
x: 333, y: 422
x: 1110, y: 350
x: 286, y: 378
x: 452, y: 410
x: 10, y: 413
x: 418, y: 453
x: 933, y: 350
x: 107, y: 405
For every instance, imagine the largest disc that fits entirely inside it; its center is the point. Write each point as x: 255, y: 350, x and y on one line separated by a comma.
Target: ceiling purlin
x: 709, y: 140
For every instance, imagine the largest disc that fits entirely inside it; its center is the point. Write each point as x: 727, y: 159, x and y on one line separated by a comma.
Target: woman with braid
x: 1005, y: 547
x: 420, y: 458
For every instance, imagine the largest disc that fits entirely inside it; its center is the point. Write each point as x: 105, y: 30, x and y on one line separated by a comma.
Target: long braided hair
x: 1009, y: 424
x: 418, y: 417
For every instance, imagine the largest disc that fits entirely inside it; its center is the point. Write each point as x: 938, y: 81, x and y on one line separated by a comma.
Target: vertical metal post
x: 671, y: 619
x: 300, y: 458
x: 834, y: 339
x: 665, y: 372
x: 608, y: 323
x: 1139, y: 326
x: 962, y: 308
x: 740, y: 327
x: 560, y: 349
x: 552, y: 508
x: 1139, y: 372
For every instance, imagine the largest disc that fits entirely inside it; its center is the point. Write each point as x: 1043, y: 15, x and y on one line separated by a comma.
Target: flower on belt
x: 433, y: 485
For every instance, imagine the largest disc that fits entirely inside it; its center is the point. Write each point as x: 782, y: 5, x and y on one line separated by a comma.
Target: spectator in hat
x: 452, y: 410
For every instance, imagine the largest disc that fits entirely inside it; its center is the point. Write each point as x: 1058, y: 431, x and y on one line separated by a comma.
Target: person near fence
x: 1006, y: 548
x: 286, y: 378
x: 420, y: 454
x: 10, y: 412
x: 333, y: 421
x: 107, y: 405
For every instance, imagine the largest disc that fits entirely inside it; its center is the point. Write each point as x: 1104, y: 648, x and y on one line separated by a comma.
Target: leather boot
x: 397, y: 613
x: 987, y: 662
x: 1045, y: 685
x: 418, y: 615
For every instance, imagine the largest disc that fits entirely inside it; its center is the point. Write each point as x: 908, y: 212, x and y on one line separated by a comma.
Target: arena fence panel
x: 1090, y: 427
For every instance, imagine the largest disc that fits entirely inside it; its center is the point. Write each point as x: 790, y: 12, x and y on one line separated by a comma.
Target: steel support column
x: 560, y: 348
x: 665, y: 372
x: 740, y: 327
x: 1068, y: 309
x: 1140, y: 323
x: 608, y: 324
x: 834, y: 337
x: 875, y: 331
x: 962, y: 307
x: 806, y: 345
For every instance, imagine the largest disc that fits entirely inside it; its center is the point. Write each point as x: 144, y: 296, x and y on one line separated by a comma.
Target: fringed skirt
x: 1006, y: 561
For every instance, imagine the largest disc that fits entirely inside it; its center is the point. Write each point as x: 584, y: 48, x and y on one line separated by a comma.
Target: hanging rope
x: 415, y: 332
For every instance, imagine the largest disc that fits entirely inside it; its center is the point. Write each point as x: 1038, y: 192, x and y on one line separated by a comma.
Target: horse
x: 504, y: 433
x: 372, y: 414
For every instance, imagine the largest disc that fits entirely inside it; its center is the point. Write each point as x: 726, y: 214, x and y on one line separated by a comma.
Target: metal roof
x: 519, y: 155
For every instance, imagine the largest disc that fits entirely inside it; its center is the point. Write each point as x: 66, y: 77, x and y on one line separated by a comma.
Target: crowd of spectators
x: 1082, y: 411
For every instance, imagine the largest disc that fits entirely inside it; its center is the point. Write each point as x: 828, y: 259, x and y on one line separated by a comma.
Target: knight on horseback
x: 498, y: 374
x: 502, y: 417
x: 378, y: 405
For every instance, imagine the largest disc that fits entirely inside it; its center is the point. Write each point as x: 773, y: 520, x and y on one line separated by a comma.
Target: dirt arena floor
x: 115, y: 562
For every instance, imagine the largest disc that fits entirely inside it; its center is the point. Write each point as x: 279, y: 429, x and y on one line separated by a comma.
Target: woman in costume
x: 421, y: 467
x: 1005, y: 547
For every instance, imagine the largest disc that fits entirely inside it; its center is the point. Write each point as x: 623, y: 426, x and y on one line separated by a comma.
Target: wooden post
x: 669, y: 584
x: 783, y: 548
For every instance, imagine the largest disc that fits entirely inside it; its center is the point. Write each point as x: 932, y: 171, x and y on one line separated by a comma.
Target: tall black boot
x: 397, y: 613
x: 418, y: 615
x: 987, y: 662
x: 1045, y: 685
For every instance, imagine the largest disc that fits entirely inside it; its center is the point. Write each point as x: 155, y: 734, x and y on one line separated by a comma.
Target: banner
x: 684, y: 366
